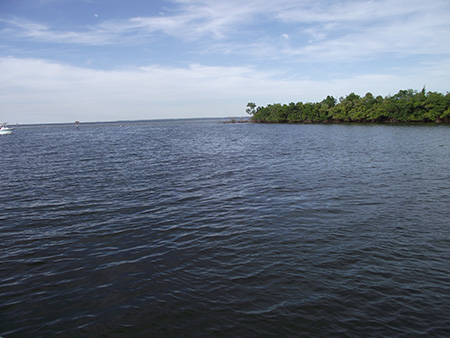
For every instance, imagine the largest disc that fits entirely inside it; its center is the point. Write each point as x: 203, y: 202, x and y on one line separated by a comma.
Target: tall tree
x: 251, y: 108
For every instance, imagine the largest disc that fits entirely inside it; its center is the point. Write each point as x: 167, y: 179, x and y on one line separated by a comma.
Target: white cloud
x: 31, y: 90
x: 38, y: 91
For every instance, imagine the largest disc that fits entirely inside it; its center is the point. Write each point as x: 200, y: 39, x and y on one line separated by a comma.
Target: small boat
x: 4, y: 130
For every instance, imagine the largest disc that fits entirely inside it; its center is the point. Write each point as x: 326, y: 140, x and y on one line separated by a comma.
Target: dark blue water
x: 208, y: 229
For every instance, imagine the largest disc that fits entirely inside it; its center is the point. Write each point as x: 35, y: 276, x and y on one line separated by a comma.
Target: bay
x: 199, y: 228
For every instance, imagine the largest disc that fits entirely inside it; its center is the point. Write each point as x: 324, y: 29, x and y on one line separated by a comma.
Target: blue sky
x: 107, y: 60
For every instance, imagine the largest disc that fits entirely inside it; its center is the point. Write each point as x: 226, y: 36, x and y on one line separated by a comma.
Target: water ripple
x: 206, y: 229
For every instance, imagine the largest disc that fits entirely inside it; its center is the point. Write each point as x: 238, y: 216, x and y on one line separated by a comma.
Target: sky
x: 109, y: 60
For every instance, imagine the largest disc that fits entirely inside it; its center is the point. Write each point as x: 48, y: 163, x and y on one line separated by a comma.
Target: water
x: 207, y: 229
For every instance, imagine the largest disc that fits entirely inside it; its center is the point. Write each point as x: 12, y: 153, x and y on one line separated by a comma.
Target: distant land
x: 406, y: 106
x: 130, y: 122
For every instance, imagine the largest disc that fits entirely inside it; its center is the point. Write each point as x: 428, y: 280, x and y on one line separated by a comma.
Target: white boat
x: 4, y: 130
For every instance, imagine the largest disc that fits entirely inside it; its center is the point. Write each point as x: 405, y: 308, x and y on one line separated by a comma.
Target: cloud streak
x: 317, y: 30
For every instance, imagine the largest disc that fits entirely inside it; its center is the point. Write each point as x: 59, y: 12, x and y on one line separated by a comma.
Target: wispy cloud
x: 317, y: 30
x: 353, y: 30
x: 23, y: 28
x: 191, y: 21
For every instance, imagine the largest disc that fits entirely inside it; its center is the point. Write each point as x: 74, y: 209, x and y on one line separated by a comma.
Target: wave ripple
x: 195, y: 228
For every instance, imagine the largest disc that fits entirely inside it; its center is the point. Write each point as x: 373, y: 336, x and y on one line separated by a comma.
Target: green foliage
x: 405, y: 106
x: 251, y: 108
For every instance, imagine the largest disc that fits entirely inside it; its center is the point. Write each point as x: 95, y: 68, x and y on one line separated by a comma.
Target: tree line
x: 405, y: 106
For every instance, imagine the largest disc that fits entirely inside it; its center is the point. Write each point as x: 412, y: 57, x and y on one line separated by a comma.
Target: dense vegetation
x: 405, y: 106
